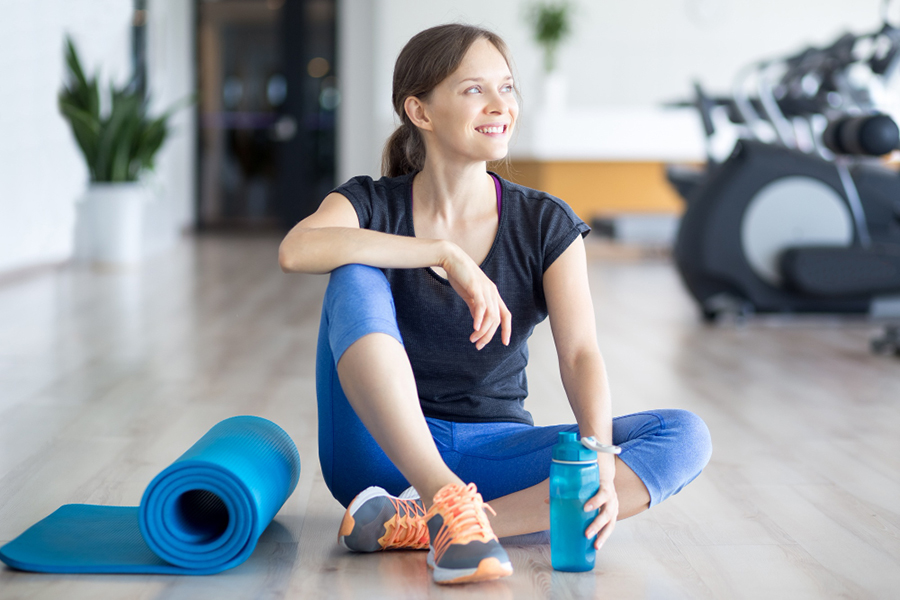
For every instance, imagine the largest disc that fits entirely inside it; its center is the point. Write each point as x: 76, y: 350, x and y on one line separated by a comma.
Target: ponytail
x: 404, y: 151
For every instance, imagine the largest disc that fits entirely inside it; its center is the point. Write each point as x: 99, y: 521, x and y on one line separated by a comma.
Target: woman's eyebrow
x: 480, y: 79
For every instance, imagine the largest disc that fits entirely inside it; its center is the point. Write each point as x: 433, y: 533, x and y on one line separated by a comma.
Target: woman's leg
x: 371, y: 427
x: 662, y: 451
x: 378, y: 380
x: 359, y: 336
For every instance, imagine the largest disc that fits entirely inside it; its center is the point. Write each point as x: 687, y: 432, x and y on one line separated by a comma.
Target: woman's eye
x: 507, y: 88
x: 474, y: 89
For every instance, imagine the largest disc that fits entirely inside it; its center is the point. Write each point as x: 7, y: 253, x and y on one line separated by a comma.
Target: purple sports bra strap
x: 499, y: 194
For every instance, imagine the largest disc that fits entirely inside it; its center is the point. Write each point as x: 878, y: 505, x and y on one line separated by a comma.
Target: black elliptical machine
x: 802, y: 217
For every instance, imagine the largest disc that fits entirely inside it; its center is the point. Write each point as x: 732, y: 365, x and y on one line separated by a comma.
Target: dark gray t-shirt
x: 455, y: 381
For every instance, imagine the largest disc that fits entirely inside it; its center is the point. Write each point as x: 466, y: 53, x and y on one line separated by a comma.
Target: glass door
x: 268, y: 96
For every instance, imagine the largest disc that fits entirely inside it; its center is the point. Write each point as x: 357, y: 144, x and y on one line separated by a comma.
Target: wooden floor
x: 106, y: 377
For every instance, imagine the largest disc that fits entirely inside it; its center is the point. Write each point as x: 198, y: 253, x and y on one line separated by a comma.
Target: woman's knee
x: 358, y: 291
x: 694, y: 440
x: 358, y: 278
x: 358, y: 301
x: 672, y: 454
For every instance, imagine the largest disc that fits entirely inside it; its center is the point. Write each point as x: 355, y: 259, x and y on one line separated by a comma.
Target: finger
x: 478, y: 310
x: 495, y: 323
x: 597, y: 501
x: 609, y: 511
x: 604, y: 534
x: 482, y: 331
x: 490, y: 326
x: 486, y: 338
x: 598, y: 523
x: 487, y: 321
x: 505, y: 324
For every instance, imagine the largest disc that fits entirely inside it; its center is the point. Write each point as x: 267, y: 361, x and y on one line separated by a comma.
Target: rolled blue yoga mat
x: 201, y: 515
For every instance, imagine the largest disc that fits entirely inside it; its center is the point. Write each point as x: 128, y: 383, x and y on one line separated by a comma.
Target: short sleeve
x: 560, y: 226
x: 360, y: 192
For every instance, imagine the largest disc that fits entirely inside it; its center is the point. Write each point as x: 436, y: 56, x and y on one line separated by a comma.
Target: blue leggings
x: 667, y: 449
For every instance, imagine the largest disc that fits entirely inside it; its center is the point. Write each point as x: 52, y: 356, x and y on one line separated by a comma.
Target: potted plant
x: 551, y: 25
x: 119, y: 141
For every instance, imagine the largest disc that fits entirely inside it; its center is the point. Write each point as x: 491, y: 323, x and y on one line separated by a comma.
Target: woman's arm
x: 331, y: 237
x: 574, y: 333
x: 581, y: 367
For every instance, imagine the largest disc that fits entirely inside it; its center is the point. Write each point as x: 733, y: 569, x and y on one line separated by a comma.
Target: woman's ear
x: 415, y: 110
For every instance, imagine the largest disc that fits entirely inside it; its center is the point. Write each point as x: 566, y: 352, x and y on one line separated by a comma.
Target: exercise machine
x: 803, y: 215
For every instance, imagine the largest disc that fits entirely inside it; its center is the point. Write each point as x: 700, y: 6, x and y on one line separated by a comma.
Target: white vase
x: 555, y: 90
x: 111, y: 227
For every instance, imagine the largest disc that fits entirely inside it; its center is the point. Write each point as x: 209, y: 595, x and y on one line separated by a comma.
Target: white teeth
x: 491, y: 129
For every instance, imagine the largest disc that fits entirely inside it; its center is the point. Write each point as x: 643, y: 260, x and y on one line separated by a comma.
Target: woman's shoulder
x: 544, y: 222
x: 364, y: 186
x: 537, y: 203
x: 379, y: 203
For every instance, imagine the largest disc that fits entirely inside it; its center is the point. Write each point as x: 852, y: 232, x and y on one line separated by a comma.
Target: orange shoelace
x: 407, y: 529
x: 464, y: 518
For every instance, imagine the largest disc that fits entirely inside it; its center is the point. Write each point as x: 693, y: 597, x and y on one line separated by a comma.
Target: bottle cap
x: 569, y: 449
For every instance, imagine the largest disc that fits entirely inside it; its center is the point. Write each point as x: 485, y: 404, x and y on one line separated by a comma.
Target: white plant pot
x: 555, y: 90
x: 112, y: 227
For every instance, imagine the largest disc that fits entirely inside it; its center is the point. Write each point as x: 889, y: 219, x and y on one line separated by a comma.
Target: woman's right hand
x: 480, y: 294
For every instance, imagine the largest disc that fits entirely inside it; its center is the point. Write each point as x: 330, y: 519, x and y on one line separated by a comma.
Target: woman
x: 439, y: 273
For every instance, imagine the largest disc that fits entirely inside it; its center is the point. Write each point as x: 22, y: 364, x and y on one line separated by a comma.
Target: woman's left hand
x: 608, y: 503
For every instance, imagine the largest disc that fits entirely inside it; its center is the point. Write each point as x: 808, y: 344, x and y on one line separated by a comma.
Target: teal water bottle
x: 574, y: 479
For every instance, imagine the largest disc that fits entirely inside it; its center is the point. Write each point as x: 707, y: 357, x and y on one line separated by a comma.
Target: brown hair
x: 426, y: 60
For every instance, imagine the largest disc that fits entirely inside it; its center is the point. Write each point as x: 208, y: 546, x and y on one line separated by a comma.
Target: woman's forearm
x: 321, y: 250
x: 584, y: 379
x: 586, y: 385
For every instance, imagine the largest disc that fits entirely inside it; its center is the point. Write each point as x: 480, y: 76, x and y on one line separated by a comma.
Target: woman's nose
x: 496, y: 104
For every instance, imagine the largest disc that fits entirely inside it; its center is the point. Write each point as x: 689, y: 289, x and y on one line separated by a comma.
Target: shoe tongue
x: 409, y: 493
x: 455, y: 497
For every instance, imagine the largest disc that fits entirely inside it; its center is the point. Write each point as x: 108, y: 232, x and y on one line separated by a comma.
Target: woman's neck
x: 451, y: 192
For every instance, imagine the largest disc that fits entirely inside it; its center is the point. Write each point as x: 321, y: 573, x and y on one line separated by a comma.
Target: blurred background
x: 293, y: 97
x: 111, y: 365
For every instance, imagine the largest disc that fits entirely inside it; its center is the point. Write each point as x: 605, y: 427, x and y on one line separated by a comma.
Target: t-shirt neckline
x: 501, y: 218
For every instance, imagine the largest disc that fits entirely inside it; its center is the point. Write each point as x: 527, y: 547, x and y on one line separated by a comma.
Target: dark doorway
x: 268, y: 101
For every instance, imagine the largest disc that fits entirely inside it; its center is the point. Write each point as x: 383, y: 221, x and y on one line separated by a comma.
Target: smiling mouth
x: 492, y: 130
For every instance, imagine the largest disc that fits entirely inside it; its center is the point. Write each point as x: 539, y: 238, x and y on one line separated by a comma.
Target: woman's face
x: 473, y: 111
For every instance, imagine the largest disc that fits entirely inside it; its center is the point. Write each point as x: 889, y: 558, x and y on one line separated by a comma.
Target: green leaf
x: 120, y: 164
x: 117, y: 146
x: 86, y: 130
x: 551, y: 21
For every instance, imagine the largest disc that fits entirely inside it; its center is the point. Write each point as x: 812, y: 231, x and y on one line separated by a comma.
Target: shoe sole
x: 348, y: 522
x: 488, y: 569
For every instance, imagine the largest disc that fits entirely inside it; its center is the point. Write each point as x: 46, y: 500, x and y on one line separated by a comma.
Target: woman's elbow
x: 287, y: 257
x: 588, y: 357
x: 285, y: 267
x: 300, y: 253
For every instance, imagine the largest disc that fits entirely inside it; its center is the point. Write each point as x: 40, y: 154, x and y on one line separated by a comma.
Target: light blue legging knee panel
x: 667, y: 449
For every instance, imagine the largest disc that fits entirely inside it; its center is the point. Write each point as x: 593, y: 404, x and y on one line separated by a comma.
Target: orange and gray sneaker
x: 463, y: 545
x: 375, y: 521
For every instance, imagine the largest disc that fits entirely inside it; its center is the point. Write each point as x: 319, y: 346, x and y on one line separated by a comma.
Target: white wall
x: 171, y: 66
x: 622, y: 54
x: 356, y: 134
x: 42, y: 173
